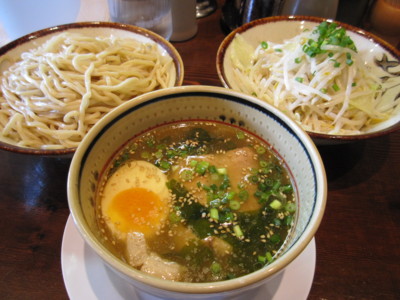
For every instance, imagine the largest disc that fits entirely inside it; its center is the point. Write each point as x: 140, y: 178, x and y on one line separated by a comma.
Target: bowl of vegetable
x: 340, y: 83
x: 197, y: 192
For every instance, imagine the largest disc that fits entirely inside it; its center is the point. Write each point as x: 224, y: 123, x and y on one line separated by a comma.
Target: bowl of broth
x: 197, y: 192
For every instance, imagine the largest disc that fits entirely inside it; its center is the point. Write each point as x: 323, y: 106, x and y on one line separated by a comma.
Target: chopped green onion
x: 275, y: 238
x: 212, y: 169
x: 230, y: 195
x: 201, y: 167
x: 222, y: 171
x: 174, y: 217
x: 150, y: 141
x: 290, y: 207
x: 145, y: 154
x: 186, y: 175
x: 323, y: 90
x: 277, y: 222
x: 354, y: 84
x: 243, y: 195
x: 329, y: 34
x: 299, y: 79
x: 335, y: 87
x: 297, y: 60
x: 287, y: 188
x: 288, y: 220
x: 234, y: 205
x: 268, y: 256
x: 265, y: 196
x: 264, y: 45
x: 165, y: 165
x: 215, y: 203
x: 240, y: 135
x: 275, y: 204
x: 349, y: 62
x: 158, y: 154
x: 260, y: 150
x: 214, y: 187
x: 265, y: 170
x: 225, y: 183
x: 254, y: 179
x: 278, y: 50
x: 238, y: 231
x: 214, y: 214
x: 262, y: 259
x: 215, y: 268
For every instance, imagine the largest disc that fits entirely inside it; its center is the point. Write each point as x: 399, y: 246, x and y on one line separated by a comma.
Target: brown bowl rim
x: 171, y: 50
x: 368, y: 35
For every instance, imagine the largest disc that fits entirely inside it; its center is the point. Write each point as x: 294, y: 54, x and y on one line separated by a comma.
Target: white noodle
x: 54, y: 94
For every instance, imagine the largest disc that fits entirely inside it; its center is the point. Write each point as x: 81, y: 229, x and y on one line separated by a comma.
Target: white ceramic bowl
x: 383, y: 59
x: 13, y: 50
x: 207, y: 103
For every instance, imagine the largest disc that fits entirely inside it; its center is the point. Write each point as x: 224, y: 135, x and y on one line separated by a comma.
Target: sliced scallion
x: 264, y: 45
x: 214, y: 214
x: 238, y: 231
x: 275, y: 204
x: 234, y: 205
x: 335, y: 87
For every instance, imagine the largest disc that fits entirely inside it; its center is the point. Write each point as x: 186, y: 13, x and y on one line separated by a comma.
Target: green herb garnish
x: 329, y: 34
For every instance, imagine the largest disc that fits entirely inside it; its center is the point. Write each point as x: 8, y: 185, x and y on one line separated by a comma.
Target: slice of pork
x: 137, y: 250
x: 140, y: 257
x: 238, y: 163
x: 162, y: 268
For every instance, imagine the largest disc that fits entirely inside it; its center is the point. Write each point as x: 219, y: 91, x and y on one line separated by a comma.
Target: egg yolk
x: 137, y: 210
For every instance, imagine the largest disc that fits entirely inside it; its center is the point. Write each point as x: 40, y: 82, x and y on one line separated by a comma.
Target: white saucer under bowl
x: 86, y: 276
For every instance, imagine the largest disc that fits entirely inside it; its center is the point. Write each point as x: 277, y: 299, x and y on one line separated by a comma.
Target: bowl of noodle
x: 340, y: 83
x: 56, y: 83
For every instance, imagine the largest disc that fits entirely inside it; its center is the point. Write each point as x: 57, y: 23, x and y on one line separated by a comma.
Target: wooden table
x: 358, y: 243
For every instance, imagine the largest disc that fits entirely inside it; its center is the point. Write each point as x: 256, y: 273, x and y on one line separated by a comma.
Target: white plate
x: 86, y: 276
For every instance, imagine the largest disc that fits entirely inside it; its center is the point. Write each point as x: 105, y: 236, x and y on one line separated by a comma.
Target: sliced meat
x: 140, y: 257
x: 136, y: 248
x: 218, y: 246
x: 183, y: 236
x: 238, y: 163
x: 162, y: 268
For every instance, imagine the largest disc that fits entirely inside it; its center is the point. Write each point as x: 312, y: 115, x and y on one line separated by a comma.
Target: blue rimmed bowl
x: 286, y: 138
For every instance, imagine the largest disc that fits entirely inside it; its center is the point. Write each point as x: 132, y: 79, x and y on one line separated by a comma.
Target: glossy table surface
x: 358, y: 242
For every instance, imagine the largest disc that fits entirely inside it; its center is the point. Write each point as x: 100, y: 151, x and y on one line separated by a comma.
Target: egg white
x: 135, y: 174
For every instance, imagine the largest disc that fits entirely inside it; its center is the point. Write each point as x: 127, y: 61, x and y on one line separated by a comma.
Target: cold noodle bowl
x: 55, y: 93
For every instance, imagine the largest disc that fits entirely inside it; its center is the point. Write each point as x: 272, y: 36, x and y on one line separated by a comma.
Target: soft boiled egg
x: 135, y: 199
